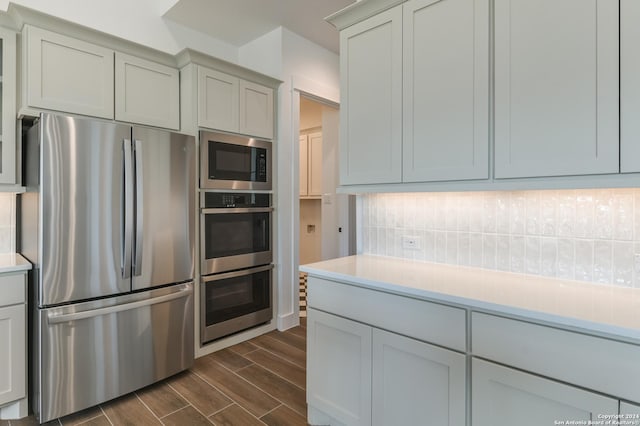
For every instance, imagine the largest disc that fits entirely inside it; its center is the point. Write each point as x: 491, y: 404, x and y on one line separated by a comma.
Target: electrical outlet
x: 410, y: 242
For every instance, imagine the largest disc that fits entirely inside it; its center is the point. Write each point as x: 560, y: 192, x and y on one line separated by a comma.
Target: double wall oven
x: 235, y: 234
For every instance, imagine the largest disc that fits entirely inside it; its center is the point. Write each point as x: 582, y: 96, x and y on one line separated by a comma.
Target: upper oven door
x: 234, y: 162
x: 235, y: 238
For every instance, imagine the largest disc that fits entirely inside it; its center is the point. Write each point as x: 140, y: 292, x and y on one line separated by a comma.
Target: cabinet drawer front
x: 66, y: 74
x: 422, y: 320
x: 12, y: 289
x: 564, y: 355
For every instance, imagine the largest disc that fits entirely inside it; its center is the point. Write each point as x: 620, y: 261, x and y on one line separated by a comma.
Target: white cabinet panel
x: 371, y: 100
x: 445, y: 90
x: 311, y: 165
x: 339, y: 367
x: 629, y: 86
x: 13, y: 353
x: 304, y: 166
x: 414, y: 382
x: 556, y: 87
x: 7, y: 107
x: 256, y: 110
x: 146, y: 92
x: 632, y: 410
x: 218, y: 100
x: 66, y: 74
x: 502, y: 396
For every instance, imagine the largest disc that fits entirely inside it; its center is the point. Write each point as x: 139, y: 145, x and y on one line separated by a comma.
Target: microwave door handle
x: 127, y: 206
x: 137, y: 262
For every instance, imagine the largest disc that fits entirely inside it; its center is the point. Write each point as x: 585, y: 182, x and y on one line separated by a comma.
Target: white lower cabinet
x: 504, y: 396
x: 13, y: 351
x: 339, y: 368
x: 632, y: 410
x: 360, y: 375
x: 415, y: 383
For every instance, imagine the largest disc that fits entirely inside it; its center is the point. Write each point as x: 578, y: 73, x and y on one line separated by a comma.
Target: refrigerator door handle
x: 56, y: 318
x: 137, y: 261
x: 127, y: 207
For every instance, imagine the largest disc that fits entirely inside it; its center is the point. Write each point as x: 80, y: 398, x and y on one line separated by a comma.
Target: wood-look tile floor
x: 257, y: 382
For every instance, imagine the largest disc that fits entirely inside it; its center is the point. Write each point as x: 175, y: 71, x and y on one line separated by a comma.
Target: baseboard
x: 288, y: 321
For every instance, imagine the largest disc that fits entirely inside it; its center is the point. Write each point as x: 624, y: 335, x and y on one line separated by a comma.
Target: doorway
x: 322, y: 235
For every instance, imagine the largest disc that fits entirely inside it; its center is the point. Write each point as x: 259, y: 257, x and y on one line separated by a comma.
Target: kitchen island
x: 411, y: 341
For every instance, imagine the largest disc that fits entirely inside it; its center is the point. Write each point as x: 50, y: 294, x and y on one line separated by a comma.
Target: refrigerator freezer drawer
x: 96, y: 351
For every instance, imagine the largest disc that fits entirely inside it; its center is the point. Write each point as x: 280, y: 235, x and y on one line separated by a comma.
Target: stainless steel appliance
x: 234, y: 301
x: 234, y: 162
x: 108, y: 222
x: 235, y: 231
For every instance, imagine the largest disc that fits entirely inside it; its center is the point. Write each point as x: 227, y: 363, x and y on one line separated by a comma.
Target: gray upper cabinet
x: 67, y: 74
x: 218, y: 100
x: 228, y: 103
x: 371, y: 100
x: 146, y: 92
x: 7, y: 107
x: 446, y: 90
x: 556, y: 87
x: 629, y: 86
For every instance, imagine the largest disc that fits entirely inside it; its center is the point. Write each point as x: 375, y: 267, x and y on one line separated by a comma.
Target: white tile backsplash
x: 586, y: 235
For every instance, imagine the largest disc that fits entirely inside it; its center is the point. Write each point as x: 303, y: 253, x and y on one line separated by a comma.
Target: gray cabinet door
x: 339, y: 368
x: 371, y: 100
x: 218, y: 100
x: 163, y: 248
x: 67, y: 74
x: 13, y: 334
x: 256, y: 110
x: 7, y: 107
x: 629, y: 86
x: 501, y: 396
x: 445, y: 90
x: 556, y: 87
x: 632, y: 412
x: 416, y: 383
x: 146, y: 92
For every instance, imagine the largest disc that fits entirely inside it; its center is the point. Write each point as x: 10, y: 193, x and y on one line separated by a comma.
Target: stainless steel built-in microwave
x: 234, y: 162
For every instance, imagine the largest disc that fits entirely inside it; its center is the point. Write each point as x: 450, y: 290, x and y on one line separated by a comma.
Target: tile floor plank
x: 199, y: 393
x: 282, y: 349
x: 230, y: 359
x: 284, y: 416
x: 234, y: 416
x: 298, y: 331
x: 292, y: 372
x: 289, y: 339
x: 186, y: 416
x: 161, y: 399
x: 243, y: 347
x: 129, y: 411
x: 247, y: 395
x: 284, y: 391
x: 81, y: 416
x: 97, y: 421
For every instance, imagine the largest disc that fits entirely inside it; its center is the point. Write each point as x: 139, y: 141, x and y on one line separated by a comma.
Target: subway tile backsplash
x: 585, y: 235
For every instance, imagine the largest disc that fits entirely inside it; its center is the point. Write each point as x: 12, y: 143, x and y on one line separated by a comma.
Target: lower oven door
x: 235, y: 238
x: 91, y: 352
x: 234, y: 301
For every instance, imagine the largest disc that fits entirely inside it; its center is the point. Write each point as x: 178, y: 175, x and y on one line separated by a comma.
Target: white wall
x: 310, y: 68
x: 139, y: 21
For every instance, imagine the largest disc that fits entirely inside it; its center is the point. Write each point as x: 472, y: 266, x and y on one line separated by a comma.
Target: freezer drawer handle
x: 237, y: 210
x: 60, y: 318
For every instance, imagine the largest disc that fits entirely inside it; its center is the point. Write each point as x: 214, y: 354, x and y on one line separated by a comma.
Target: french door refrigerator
x: 108, y: 222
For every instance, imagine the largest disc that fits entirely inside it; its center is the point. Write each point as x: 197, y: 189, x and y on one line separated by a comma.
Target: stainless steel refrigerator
x: 108, y: 222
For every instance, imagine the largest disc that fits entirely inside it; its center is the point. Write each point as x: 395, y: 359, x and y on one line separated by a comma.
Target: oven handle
x: 217, y: 277
x: 237, y: 210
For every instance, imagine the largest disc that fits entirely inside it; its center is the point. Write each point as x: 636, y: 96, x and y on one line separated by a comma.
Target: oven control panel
x: 224, y: 200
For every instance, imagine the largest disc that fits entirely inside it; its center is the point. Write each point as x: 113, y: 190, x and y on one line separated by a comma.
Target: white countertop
x: 13, y: 262
x: 603, y: 310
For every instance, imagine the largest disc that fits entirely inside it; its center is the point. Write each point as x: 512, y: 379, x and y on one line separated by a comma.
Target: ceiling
x: 237, y: 22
